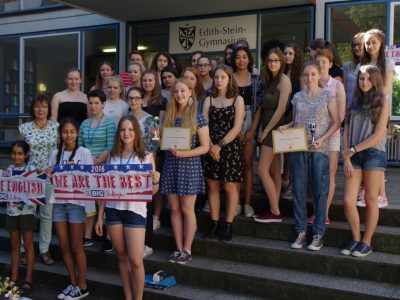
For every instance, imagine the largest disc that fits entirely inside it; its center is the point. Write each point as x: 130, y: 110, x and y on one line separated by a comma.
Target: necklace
x: 38, y: 126
x: 130, y: 156
x: 90, y: 139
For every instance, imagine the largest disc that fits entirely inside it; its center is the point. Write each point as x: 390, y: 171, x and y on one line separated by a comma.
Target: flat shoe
x: 46, y: 259
x: 26, y: 288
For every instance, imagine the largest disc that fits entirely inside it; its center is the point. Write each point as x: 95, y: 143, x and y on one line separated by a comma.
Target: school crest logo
x: 187, y: 36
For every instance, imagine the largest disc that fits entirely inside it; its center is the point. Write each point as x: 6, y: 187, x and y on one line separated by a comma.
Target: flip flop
x: 46, y: 259
x: 26, y: 288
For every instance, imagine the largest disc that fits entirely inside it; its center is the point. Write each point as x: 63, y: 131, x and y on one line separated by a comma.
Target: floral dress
x: 230, y: 167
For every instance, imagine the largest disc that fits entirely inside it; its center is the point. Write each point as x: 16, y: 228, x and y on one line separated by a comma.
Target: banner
x: 210, y: 35
x: 22, y: 186
x: 393, y: 52
x: 103, y: 182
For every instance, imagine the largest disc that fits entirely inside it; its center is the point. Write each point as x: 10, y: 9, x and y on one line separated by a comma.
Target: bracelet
x: 156, y: 183
x: 222, y: 143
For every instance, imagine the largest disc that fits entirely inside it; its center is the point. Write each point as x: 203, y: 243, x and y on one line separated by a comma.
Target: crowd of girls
x: 229, y: 110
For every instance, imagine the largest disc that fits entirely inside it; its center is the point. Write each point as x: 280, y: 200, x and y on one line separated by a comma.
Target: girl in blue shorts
x: 69, y: 216
x: 126, y: 220
x: 364, y: 155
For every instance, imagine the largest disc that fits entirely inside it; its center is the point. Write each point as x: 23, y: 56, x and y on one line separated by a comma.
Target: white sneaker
x: 206, y: 207
x: 147, y: 251
x: 238, y: 210
x: 248, y: 211
x: 316, y: 243
x: 287, y: 195
x: 156, y: 223
x: 65, y: 292
x: 361, y: 203
x: 382, y: 202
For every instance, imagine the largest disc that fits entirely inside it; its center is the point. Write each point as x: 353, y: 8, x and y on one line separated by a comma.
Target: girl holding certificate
x: 182, y: 177
x: 126, y: 220
x: 364, y: 156
x: 312, y: 106
x: 224, y: 110
x: 69, y: 216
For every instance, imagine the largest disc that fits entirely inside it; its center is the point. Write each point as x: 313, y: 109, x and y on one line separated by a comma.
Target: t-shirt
x: 82, y: 157
x: 15, y: 209
x: 99, y: 138
x: 313, y: 110
x: 41, y: 142
x: 116, y: 109
x: 136, y: 207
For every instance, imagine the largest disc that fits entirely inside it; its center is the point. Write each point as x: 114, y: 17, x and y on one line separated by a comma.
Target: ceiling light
x: 141, y: 48
x: 109, y: 50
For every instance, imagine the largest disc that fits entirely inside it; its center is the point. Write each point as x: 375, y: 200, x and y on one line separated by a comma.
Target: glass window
x: 100, y: 44
x: 17, y: 5
x: 346, y: 21
x: 396, y: 80
x: 46, y: 60
x: 9, y: 90
x: 291, y: 25
x: 149, y: 38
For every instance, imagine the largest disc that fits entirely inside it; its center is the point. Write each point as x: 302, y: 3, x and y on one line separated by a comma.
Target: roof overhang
x: 134, y: 10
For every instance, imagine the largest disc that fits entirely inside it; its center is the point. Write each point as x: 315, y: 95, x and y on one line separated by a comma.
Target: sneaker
x: 300, y: 240
x: 287, y: 195
x: 238, y: 210
x: 77, y: 293
x: 361, y: 194
x: 316, y: 243
x: 174, y: 256
x: 87, y: 242
x: 107, y: 246
x: 184, y: 258
x: 382, y: 202
x: 248, y: 211
x: 147, y: 251
x: 351, y: 246
x: 361, y: 203
x: 206, y: 207
x: 156, y: 223
x: 268, y: 217
x: 362, y: 250
x: 65, y: 292
x: 311, y: 220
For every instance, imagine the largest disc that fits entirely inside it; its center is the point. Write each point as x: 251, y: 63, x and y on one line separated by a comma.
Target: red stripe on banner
x: 143, y: 193
x: 37, y: 203
x: 102, y: 199
x: 27, y: 174
x: 68, y: 192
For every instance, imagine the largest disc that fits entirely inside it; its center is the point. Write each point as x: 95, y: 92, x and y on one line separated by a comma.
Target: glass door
x: 394, y: 39
x: 45, y: 59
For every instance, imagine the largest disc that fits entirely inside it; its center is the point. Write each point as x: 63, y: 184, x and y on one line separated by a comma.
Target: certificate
x: 291, y: 140
x: 176, y: 138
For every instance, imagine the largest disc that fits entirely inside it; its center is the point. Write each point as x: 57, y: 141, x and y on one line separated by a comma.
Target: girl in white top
x: 115, y: 107
x: 69, y: 216
x: 126, y: 220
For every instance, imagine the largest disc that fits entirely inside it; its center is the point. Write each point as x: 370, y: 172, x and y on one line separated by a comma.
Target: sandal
x: 26, y: 288
x: 46, y: 259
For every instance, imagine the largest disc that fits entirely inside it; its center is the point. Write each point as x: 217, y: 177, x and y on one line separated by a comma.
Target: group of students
x: 230, y: 109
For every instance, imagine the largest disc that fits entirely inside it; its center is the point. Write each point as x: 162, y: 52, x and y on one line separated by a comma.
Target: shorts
x: 247, y: 122
x: 71, y: 213
x: 21, y: 223
x: 369, y: 159
x: 334, y: 143
x: 125, y: 217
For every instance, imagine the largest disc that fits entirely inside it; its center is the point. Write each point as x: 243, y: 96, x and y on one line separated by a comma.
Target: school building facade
x: 40, y: 39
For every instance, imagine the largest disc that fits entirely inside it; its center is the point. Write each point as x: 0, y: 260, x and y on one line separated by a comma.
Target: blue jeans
x: 309, y: 169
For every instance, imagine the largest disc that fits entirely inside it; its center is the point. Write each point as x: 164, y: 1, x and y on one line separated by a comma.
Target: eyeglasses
x: 203, y: 66
x: 137, y: 98
x: 273, y: 61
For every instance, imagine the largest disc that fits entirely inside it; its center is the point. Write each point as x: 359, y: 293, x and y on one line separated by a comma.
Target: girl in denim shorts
x: 364, y: 156
x: 21, y: 220
x: 126, y: 220
x: 69, y: 216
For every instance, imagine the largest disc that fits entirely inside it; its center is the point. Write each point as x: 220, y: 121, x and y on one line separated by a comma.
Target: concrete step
x: 106, y: 285
x: 380, y: 267
x: 337, y: 234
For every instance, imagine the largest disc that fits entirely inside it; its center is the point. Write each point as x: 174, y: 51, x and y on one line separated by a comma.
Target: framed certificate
x: 176, y: 138
x: 291, y: 140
